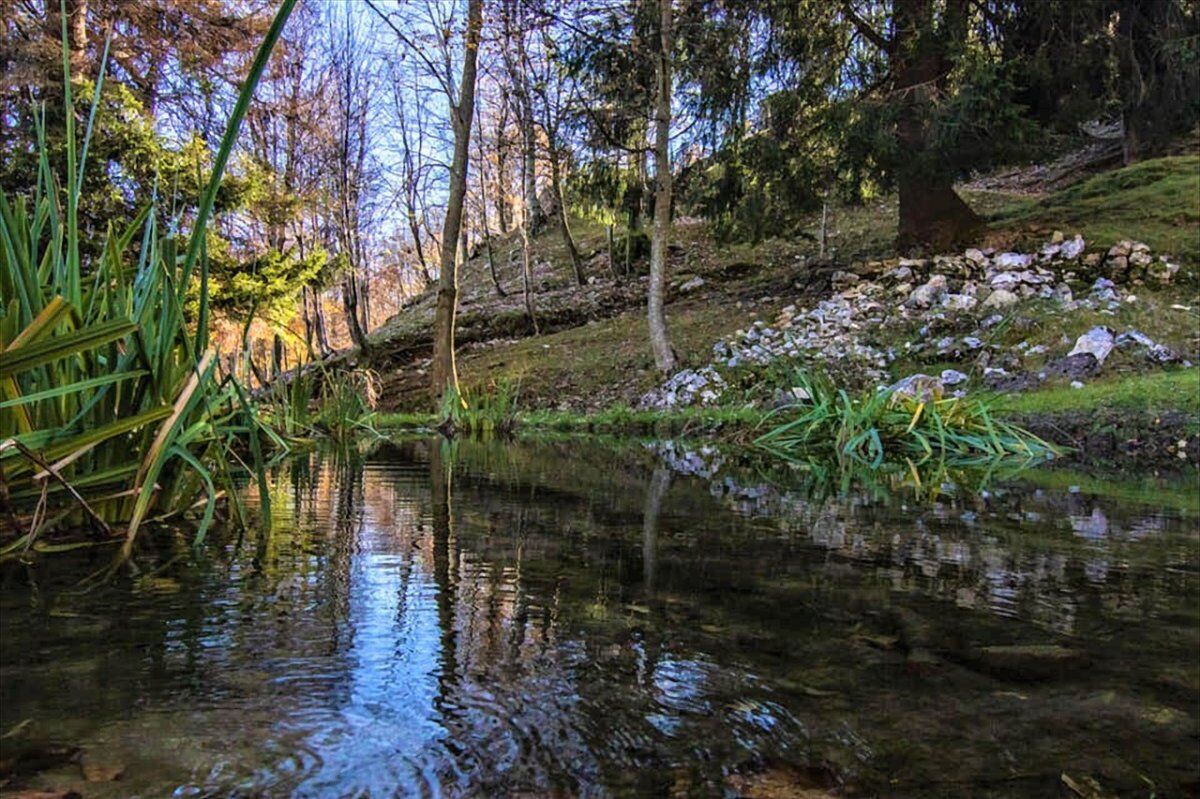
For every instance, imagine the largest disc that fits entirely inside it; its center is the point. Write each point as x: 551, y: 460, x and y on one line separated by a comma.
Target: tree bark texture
x: 664, y: 356
x: 443, y: 372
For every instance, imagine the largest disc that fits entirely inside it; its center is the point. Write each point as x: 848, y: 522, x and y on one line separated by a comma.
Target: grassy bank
x: 1155, y: 393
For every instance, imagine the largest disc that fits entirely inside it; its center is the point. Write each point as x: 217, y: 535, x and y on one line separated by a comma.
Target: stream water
x: 575, y: 619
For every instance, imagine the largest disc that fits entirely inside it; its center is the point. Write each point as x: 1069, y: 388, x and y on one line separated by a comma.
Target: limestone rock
x: 1097, y: 342
x: 1000, y: 299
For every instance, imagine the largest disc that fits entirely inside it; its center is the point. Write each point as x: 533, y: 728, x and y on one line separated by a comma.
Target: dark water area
x: 568, y: 619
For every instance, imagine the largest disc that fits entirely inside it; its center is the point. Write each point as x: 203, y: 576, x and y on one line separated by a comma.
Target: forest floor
x: 590, y: 361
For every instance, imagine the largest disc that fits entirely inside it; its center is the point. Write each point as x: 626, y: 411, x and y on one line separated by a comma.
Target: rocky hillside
x: 1112, y: 259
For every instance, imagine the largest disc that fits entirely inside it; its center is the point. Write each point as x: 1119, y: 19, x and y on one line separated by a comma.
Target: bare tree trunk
x: 319, y: 326
x: 535, y: 217
x: 350, y: 305
x: 664, y: 356
x: 502, y: 209
x: 483, y: 204
x: 527, y: 279
x: 444, y: 374
x: 564, y: 226
x: 308, y: 323
x: 612, y: 263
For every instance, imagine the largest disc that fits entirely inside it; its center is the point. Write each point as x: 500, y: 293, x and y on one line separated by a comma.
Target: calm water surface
x: 574, y: 620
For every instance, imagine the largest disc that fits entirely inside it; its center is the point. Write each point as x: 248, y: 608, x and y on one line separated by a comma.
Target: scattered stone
x: 1152, y: 350
x: 1012, y: 260
x: 958, y: 302
x: 1097, y: 342
x: 919, y: 386
x: 1031, y: 661
x: 1076, y: 384
x: 843, y: 280
x: 841, y: 333
x: 1001, y: 298
x: 925, y: 296
x: 953, y: 377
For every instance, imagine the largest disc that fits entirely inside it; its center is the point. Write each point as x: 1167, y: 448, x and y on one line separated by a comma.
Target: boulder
x: 1097, y: 342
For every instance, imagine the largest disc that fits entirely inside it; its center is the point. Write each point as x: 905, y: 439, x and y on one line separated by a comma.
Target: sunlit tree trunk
x: 444, y: 374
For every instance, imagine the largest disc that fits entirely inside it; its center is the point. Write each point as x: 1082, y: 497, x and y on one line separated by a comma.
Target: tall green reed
x: 112, y: 407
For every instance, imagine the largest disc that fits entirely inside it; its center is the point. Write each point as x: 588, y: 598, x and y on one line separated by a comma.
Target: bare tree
x: 413, y: 166
x: 350, y: 181
x: 444, y: 372
x: 516, y: 62
x: 552, y: 95
x: 664, y: 355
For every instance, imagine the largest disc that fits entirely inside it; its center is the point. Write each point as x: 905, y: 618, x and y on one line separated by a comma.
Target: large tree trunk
x: 443, y: 373
x: 664, y: 356
x: 932, y: 215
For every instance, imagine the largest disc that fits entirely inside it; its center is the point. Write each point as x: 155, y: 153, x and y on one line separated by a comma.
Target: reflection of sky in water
x: 555, y: 644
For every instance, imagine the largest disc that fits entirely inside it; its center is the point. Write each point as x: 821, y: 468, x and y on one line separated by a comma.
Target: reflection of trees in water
x: 1010, y: 550
x: 660, y: 481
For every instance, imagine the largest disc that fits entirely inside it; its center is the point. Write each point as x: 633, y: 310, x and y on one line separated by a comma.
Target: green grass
x: 1177, y: 390
x: 1156, y: 201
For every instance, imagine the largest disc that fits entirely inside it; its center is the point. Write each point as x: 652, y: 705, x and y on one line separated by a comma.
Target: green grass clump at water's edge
x: 878, y: 425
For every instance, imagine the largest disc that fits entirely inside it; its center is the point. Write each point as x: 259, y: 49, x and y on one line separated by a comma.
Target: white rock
x: 1072, y: 249
x: 920, y: 386
x: 1012, y: 260
x: 958, y: 302
x: 1097, y: 342
x: 953, y: 377
x: 1000, y: 298
x: 924, y: 296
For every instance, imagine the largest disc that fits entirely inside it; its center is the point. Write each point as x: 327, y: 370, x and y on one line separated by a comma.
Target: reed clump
x: 874, y: 426
x: 113, y: 409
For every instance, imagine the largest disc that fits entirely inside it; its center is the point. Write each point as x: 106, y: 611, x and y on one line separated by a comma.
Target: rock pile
x: 874, y: 300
